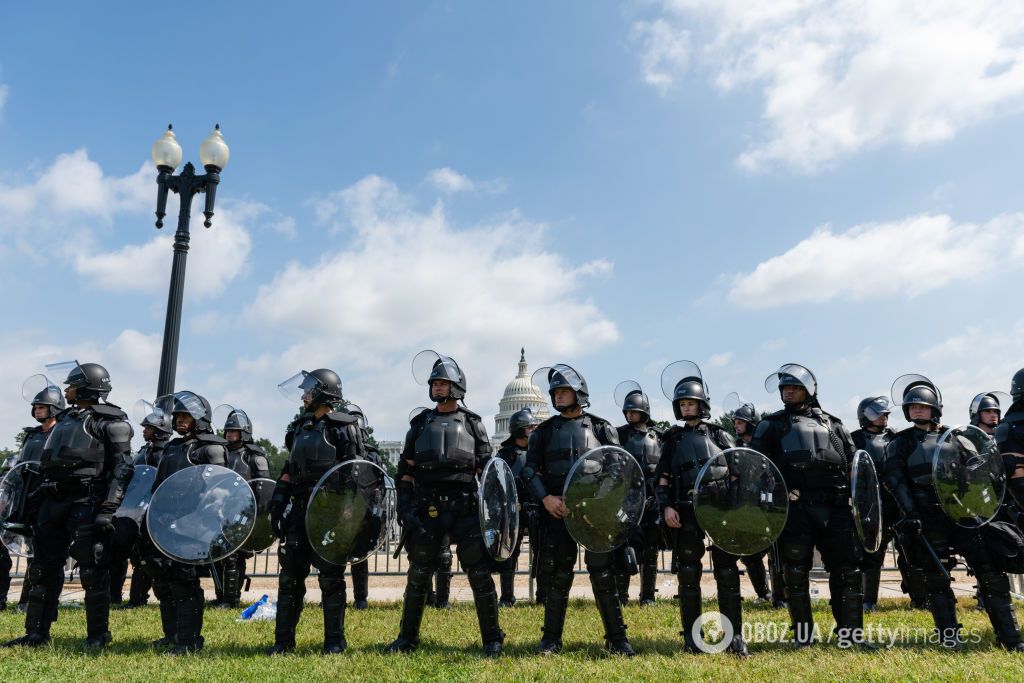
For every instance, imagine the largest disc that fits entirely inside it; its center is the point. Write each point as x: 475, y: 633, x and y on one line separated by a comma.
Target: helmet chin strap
x: 923, y: 421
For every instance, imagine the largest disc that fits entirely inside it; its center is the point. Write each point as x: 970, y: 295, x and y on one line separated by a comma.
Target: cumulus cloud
x: 405, y: 279
x: 664, y: 52
x: 4, y: 92
x: 216, y: 256
x: 450, y: 181
x: 972, y: 361
x: 843, y: 76
x: 132, y: 358
x: 935, y: 251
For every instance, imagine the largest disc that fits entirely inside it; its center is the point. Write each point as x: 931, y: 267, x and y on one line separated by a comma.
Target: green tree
x: 275, y: 456
x: 663, y: 425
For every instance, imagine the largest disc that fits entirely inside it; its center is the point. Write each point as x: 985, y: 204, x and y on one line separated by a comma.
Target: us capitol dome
x: 519, y: 393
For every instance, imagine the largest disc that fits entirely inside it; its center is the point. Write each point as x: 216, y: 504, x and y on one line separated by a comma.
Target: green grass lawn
x: 450, y: 650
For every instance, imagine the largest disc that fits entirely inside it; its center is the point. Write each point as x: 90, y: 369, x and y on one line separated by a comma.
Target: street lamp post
x: 167, y: 155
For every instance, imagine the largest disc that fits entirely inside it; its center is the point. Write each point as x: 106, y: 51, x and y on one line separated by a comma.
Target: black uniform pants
x: 689, y: 554
x: 948, y: 539
x: 557, y: 565
x: 829, y: 527
x: 454, y: 521
x: 65, y: 527
x: 296, y: 557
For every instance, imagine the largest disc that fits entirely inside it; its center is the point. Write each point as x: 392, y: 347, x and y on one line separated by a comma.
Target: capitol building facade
x: 519, y: 393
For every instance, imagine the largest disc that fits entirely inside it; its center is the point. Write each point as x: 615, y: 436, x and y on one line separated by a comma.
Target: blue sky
x: 616, y: 186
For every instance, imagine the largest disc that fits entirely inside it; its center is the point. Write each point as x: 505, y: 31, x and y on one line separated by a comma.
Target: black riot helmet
x: 237, y: 419
x: 1017, y: 386
x: 631, y: 396
x: 565, y: 376
x: 989, y: 400
x: 430, y: 366
x: 190, y: 403
x: 160, y: 422
x: 793, y: 375
x: 872, y: 408
x: 90, y: 380
x: 357, y: 412
x: 683, y: 380
x: 321, y: 387
x: 520, y: 420
x: 913, y: 389
x: 39, y: 390
x: 748, y: 413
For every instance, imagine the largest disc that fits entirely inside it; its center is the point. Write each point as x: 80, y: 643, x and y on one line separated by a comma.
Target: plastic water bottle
x: 251, y: 609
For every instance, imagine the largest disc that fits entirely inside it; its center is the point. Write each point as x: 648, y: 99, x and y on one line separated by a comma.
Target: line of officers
x: 83, y: 448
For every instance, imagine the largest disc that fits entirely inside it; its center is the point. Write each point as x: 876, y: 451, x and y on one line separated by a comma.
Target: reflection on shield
x: 17, y: 544
x: 866, y: 498
x: 138, y: 494
x: 498, y: 503
x: 262, y: 536
x: 349, y: 511
x: 968, y: 476
x: 741, y: 501
x: 201, y: 514
x: 604, y: 492
x: 18, y: 504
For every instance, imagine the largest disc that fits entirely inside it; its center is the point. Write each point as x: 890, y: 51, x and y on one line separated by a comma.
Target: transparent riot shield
x: 201, y: 514
x: 499, y: 509
x: 138, y: 494
x: 968, y: 475
x: 262, y: 536
x: 866, y: 500
x: 740, y: 501
x: 349, y: 511
x: 604, y: 492
x: 18, y: 500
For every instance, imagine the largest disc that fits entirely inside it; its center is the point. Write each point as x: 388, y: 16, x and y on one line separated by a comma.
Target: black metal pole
x: 172, y: 326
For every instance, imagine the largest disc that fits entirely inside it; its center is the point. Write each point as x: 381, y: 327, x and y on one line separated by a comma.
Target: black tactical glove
x: 278, y: 506
x: 407, y: 507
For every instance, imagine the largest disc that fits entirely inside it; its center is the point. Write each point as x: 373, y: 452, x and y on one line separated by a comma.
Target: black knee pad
x: 690, y: 574
x: 92, y: 577
x: 480, y: 578
x: 727, y: 575
x: 287, y: 583
x: 797, y: 576
x: 560, y: 581
x: 420, y: 575
x: 852, y: 578
x: 995, y: 583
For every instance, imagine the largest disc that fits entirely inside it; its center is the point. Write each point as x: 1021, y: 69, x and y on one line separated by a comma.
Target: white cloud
x: 665, y: 52
x: 132, y: 359
x: 934, y: 252
x: 4, y: 92
x: 405, y: 279
x: 450, y: 181
x: 973, y: 361
x: 843, y: 76
x: 215, y: 257
x: 720, y: 360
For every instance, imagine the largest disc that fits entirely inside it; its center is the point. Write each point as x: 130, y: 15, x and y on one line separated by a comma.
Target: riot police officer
x: 513, y: 451
x: 643, y: 441
x: 250, y: 461
x: 873, y: 437
x: 157, y: 430
x: 555, y: 445
x: 908, y: 476
x: 86, y: 465
x: 445, y: 448
x: 744, y: 420
x: 317, y: 440
x: 46, y: 404
x: 685, y: 449
x: 176, y: 584
x: 361, y: 570
x: 985, y: 411
x: 814, y: 452
x: 1009, y: 435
